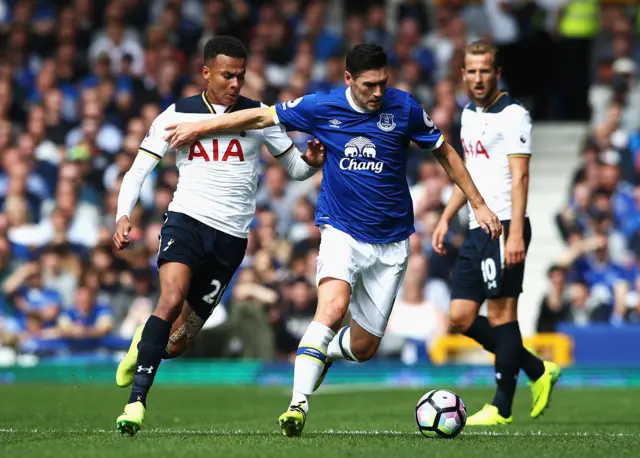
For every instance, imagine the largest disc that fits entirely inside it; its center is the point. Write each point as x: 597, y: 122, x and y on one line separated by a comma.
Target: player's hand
x: 315, y: 154
x: 121, y: 236
x: 488, y: 221
x: 182, y: 134
x: 514, y: 251
x: 439, y: 234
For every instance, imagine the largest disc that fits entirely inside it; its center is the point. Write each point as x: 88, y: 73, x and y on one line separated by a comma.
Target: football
x: 441, y: 413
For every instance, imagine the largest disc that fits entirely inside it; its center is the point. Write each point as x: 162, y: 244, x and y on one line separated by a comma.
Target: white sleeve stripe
x: 155, y: 155
x: 288, y: 150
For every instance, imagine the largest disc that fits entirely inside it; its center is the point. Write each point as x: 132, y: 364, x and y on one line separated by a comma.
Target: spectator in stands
x: 36, y: 307
x: 555, y: 307
x: 87, y: 322
x: 134, y: 301
x: 60, y: 272
x: 414, y: 320
x: 294, y: 317
x: 278, y: 195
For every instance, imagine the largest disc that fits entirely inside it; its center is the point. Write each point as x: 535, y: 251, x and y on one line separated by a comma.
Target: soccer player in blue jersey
x: 364, y: 210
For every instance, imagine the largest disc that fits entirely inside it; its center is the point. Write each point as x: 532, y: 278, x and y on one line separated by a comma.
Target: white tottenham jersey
x: 218, y: 175
x: 489, y: 136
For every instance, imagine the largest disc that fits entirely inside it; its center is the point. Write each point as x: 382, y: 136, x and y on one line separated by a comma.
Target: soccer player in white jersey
x: 364, y: 208
x: 204, y: 236
x: 496, y: 136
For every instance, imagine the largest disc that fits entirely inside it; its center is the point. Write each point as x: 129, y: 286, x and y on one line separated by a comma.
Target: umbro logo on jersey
x: 386, y: 122
x: 335, y: 123
x: 169, y: 243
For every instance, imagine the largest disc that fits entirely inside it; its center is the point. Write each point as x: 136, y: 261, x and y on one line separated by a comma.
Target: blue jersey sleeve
x: 423, y: 131
x: 297, y: 115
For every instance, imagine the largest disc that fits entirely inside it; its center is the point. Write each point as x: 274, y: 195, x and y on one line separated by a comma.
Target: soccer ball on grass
x: 441, y: 413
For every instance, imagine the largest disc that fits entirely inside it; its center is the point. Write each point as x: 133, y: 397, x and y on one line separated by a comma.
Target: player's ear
x: 206, y: 73
x: 348, y: 79
x: 498, y: 73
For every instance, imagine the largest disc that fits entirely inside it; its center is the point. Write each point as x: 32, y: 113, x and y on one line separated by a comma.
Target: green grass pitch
x: 79, y: 421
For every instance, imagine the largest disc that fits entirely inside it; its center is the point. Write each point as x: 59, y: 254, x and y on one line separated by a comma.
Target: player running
x: 204, y: 236
x: 496, y: 135
x: 364, y: 209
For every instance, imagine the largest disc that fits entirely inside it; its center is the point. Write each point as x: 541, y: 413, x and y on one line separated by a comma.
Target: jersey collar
x: 210, y: 105
x: 352, y: 103
x: 493, y: 102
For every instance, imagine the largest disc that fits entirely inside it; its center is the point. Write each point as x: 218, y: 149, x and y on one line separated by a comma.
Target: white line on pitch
x: 239, y: 432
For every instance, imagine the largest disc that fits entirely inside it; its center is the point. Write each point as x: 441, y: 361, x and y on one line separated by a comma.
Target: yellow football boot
x: 293, y: 420
x: 541, y: 389
x: 488, y: 416
x: 131, y: 419
x: 127, y: 367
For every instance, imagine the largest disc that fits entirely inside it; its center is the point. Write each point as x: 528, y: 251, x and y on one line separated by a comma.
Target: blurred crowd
x: 82, y: 80
x: 597, y: 278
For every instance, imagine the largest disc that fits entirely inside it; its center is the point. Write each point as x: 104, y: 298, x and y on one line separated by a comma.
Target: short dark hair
x: 224, y: 45
x: 556, y: 268
x: 365, y: 57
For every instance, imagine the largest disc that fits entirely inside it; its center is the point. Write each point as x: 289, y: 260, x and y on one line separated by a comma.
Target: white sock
x: 310, y: 360
x: 340, y: 346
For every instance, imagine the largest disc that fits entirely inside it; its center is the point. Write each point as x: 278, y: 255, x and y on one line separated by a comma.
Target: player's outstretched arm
x: 455, y: 167
x: 185, y: 133
x: 129, y: 192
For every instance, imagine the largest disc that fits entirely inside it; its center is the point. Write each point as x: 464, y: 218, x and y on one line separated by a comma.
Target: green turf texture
x: 79, y: 421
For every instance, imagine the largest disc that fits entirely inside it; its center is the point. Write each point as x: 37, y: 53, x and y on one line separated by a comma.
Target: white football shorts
x: 374, y: 271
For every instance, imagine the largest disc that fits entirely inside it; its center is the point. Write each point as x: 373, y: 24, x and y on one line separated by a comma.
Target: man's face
x: 368, y: 87
x: 225, y: 77
x: 480, y: 77
x: 84, y: 299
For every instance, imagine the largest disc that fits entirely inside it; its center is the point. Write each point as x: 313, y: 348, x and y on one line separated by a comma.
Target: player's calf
x: 502, y: 314
x: 150, y: 352
x: 184, y: 331
x: 174, y: 281
x: 353, y: 343
x: 464, y: 318
x: 311, y: 357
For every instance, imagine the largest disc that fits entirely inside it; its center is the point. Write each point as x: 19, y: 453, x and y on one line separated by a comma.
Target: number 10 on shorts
x: 489, y: 273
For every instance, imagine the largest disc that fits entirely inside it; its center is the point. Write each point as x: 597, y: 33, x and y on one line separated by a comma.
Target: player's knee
x: 170, y: 304
x: 460, y: 320
x: 362, y: 351
x: 331, y: 311
x: 502, y: 311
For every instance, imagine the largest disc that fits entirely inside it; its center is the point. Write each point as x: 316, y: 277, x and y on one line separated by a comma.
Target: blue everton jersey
x: 364, y: 189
